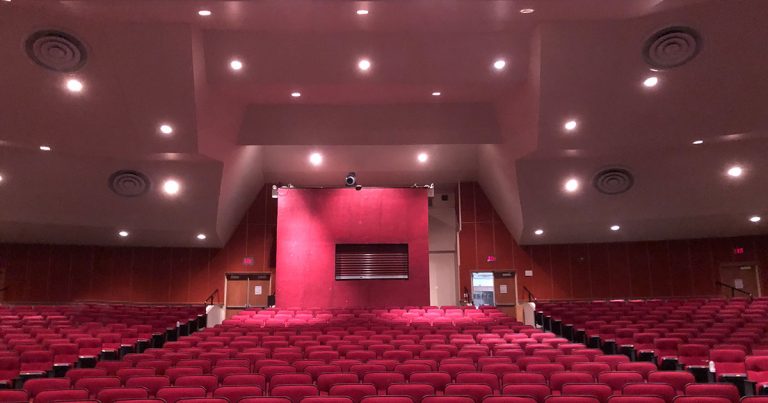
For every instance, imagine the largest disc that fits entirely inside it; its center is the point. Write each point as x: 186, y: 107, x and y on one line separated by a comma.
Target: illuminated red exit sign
x: 248, y: 261
x: 738, y: 251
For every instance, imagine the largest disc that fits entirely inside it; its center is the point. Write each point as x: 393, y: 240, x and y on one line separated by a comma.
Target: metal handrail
x: 209, y: 300
x: 531, y: 297
x: 734, y: 290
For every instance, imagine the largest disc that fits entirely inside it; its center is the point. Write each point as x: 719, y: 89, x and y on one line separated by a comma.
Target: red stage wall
x: 311, y: 221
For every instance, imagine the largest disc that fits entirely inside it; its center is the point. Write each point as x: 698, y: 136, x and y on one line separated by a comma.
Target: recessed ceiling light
x: 204, y: 13
x: 422, y: 157
x: 526, y: 11
x: 571, y: 185
x: 236, y: 65
x: 755, y: 218
x: 615, y: 227
x: 74, y: 85
x: 364, y: 64
x: 171, y: 187
x: 500, y: 64
x: 697, y: 142
x: 45, y: 148
x: 735, y: 171
x: 315, y: 159
x: 296, y: 94
x: 166, y: 129
x: 201, y: 237
x: 570, y: 125
x: 362, y: 12
x: 651, y: 82
x: 539, y: 232
x: 1, y: 178
x: 436, y: 94
x: 123, y: 233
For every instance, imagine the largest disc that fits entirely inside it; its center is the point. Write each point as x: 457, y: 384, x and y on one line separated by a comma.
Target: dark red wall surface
x: 311, y: 221
x: 601, y: 270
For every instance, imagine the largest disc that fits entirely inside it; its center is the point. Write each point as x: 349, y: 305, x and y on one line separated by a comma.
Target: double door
x: 246, y: 290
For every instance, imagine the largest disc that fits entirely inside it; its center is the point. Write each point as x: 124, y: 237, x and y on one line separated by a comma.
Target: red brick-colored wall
x: 603, y: 270
x: 64, y: 273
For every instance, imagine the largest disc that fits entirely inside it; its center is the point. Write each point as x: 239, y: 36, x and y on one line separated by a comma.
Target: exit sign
x: 490, y: 259
x: 249, y: 261
x: 738, y: 251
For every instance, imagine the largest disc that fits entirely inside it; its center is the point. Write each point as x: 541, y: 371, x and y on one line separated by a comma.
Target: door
x: 442, y: 279
x: 245, y: 290
x: 505, y: 290
x: 743, y: 277
x: 482, y: 288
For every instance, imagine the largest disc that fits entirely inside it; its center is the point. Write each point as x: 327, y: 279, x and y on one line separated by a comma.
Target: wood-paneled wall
x: 604, y: 270
x: 62, y: 273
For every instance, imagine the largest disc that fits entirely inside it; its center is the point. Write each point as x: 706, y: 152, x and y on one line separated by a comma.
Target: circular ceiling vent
x: 128, y: 183
x: 672, y: 47
x: 56, y: 50
x: 613, y: 181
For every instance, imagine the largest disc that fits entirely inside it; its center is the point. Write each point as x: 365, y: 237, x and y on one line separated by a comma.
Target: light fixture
x: 499, y: 64
x: 166, y: 129
x: 362, y: 12
x: 570, y: 125
x: 539, y: 232
x: 735, y: 171
x: 571, y: 185
x: 422, y: 157
x: 697, y: 142
x: 295, y: 94
x: 1, y: 178
x: 615, y: 227
x: 236, y: 65
x: 204, y: 13
x: 171, y: 187
x: 755, y: 219
x: 526, y: 11
x: 364, y: 64
x: 201, y: 237
x: 316, y: 159
x: 45, y: 148
x: 74, y: 85
x: 123, y: 233
x: 650, y: 82
x: 436, y: 94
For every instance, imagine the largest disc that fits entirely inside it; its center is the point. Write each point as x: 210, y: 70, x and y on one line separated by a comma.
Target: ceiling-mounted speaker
x: 671, y: 47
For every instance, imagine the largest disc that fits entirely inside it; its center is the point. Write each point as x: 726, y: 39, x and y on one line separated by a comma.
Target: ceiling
x: 152, y: 62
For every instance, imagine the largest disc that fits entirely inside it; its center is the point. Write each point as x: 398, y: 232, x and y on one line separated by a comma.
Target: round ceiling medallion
x: 671, y: 47
x: 56, y: 50
x: 129, y: 183
x: 613, y: 181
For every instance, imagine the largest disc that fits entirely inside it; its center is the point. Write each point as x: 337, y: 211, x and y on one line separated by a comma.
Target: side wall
x: 65, y: 273
x: 606, y: 270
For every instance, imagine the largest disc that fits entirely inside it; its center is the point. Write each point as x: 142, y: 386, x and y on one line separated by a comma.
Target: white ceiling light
x: 436, y: 94
x: 539, y: 232
x: 755, y: 219
x: 1, y: 178
x: 500, y: 64
x: 171, y: 187
x: 615, y: 227
x: 204, y: 13
x: 316, y: 159
x: 201, y: 237
x: 571, y: 185
x: 570, y: 125
x: 296, y: 94
x: 651, y: 82
x: 697, y: 142
x: 74, y: 85
x: 45, y: 148
x: 236, y: 65
x: 364, y: 64
x: 166, y: 129
x: 362, y: 12
x: 735, y: 171
x: 526, y: 11
x: 123, y: 233
x: 422, y: 157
